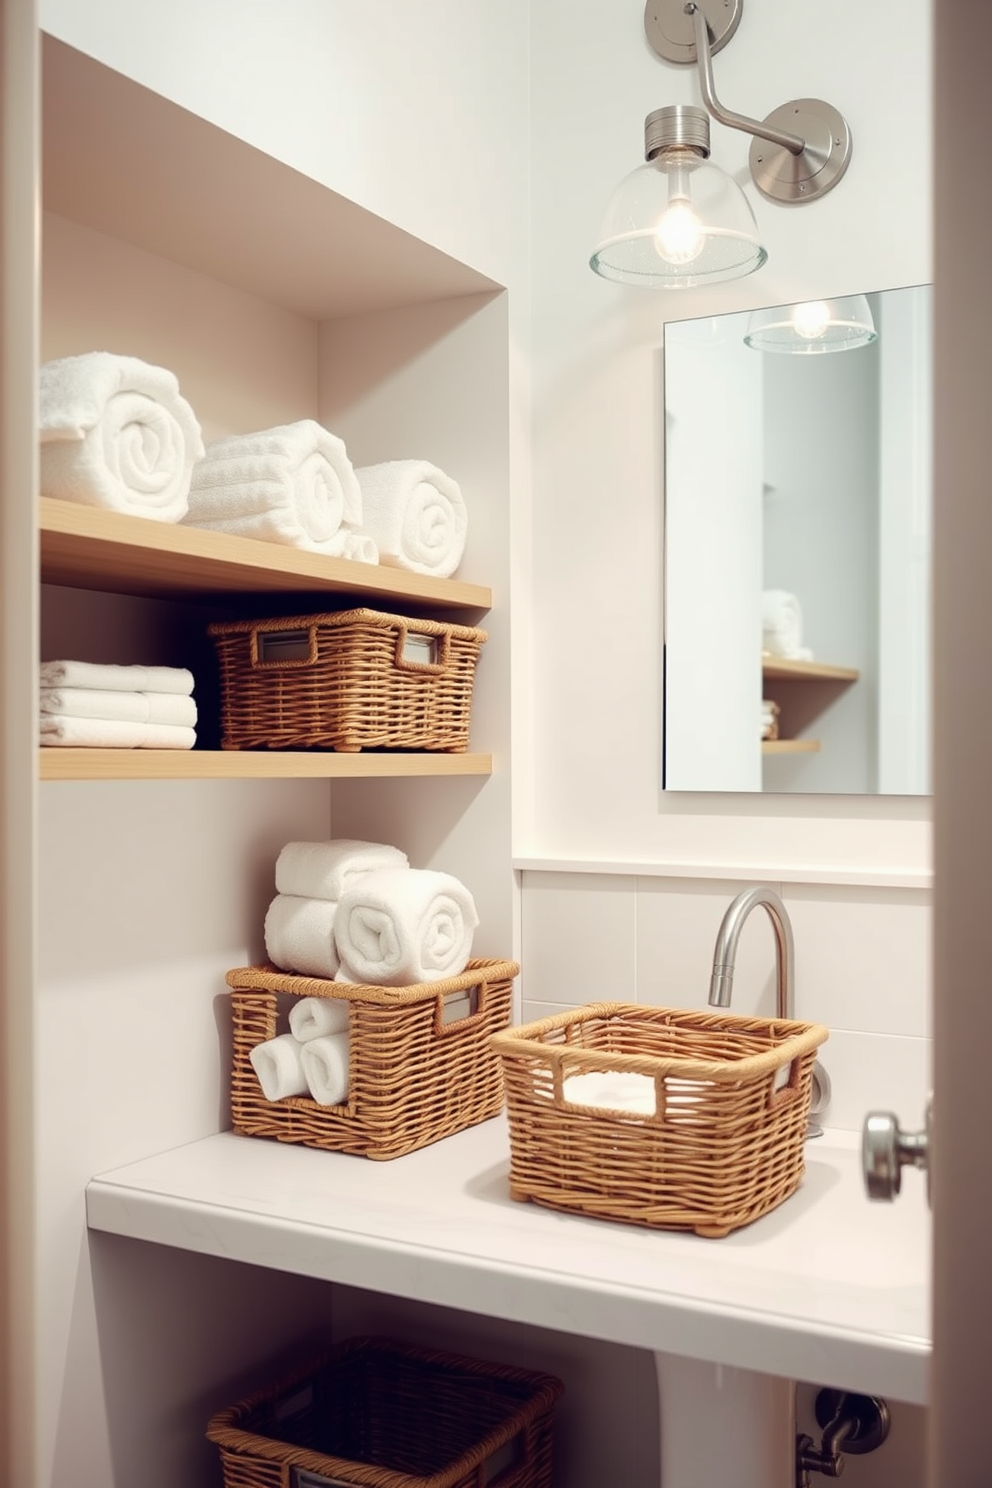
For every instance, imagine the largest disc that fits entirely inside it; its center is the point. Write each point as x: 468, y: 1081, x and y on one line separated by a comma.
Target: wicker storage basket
x: 357, y: 679
x: 388, y: 1415
x: 723, y: 1146
x: 421, y: 1064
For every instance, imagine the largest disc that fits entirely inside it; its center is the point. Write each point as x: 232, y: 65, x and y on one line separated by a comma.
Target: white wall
x: 597, y: 448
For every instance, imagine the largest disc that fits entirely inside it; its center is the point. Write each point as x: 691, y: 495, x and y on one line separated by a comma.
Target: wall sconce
x: 678, y: 220
x: 812, y: 328
x: 798, y: 153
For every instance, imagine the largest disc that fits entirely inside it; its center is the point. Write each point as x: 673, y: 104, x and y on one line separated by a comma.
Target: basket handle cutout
x: 503, y: 1465
x: 559, y: 1075
x: 302, y: 1478
x: 284, y: 648
x: 784, y: 1086
x: 462, y: 1008
x: 418, y: 651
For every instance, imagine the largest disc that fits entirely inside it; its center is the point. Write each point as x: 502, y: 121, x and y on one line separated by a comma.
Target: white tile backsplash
x: 862, y: 968
x: 862, y: 957
x: 578, y: 938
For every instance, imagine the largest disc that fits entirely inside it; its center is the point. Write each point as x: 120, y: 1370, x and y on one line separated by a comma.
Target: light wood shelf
x: 251, y: 764
x: 782, y: 669
x: 790, y: 746
x: 88, y: 548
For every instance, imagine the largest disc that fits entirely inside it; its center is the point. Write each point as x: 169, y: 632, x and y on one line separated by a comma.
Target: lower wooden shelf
x: 233, y: 764
x: 790, y: 746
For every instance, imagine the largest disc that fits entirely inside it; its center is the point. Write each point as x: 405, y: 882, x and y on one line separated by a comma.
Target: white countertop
x: 828, y: 1288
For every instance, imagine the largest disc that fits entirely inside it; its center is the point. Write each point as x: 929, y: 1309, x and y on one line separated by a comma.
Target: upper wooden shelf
x: 89, y: 548
x: 250, y: 764
x: 783, y: 669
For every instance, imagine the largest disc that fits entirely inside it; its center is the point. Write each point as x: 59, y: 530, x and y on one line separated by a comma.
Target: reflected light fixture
x: 813, y: 327
x: 669, y: 225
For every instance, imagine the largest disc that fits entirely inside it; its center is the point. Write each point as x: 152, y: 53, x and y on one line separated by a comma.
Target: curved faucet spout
x: 724, y: 956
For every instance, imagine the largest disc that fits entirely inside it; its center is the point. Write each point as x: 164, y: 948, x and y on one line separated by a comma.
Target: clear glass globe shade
x: 649, y: 237
x: 814, y: 327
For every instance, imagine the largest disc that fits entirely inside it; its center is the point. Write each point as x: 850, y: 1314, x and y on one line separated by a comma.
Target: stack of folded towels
x: 352, y: 912
x: 85, y: 704
x: 769, y: 718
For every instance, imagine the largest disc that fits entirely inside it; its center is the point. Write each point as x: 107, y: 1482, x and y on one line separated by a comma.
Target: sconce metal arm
x: 794, y: 143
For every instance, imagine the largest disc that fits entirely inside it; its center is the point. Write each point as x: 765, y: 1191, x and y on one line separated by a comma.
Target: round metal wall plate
x: 670, y: 30
x: 784, y: 177
x: 868, y: 1413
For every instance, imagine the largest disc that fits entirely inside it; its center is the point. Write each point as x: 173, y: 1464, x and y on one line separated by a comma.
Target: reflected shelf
x: 790, y: 746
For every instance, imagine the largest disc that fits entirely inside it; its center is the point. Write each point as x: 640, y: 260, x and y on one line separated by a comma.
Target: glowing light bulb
x: 811, y: 320
x: 679, y: 236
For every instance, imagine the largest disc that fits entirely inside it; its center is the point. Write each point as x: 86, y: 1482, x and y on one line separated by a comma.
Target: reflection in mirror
x: 797, y: 559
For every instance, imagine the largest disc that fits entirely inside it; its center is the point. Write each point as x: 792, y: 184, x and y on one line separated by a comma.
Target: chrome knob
x: 886, y: 1150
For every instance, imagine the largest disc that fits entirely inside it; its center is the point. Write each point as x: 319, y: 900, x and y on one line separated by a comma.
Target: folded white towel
x: 416, y: 515
x: 130, y: 707
x: 325, y: 1065
x: 299, y: 935
x: 782, y: 626
x: 613, y: 1090
x: 315, y: 1017
x: 117, y: 433
x: 116, y: 678
x: 323, y: 870
x: 404, y: 925
x: 111, y: 733
x: 293, y: 484
x: 279, y: 1068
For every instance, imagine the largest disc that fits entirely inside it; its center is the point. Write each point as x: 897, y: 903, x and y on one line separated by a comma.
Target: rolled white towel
x: 278, y: 1066
x: 92, y: 674
x: 323, y: 870
x: 299, y: 935
x: 404, y: 925
x: 325, y: 1065
x: 782, y: 626
x: 293, y: 484
x: 111, y: 733
x: 117, y: 433
x: 416, y: 515
x: 613, y: 1090
x: 315, y: 1017
x: 130, y: 707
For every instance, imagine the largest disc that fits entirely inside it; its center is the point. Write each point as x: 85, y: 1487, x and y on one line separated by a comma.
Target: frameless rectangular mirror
x: 797, y: 554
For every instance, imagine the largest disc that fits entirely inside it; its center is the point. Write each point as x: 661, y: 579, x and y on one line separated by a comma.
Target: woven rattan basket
x: 421, y: 1065
x: 388, y: 1415
x: 725, y: 1142
x: 357, y: 679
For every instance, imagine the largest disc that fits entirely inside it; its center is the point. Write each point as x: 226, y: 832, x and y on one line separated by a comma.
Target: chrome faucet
x: 722, y: 980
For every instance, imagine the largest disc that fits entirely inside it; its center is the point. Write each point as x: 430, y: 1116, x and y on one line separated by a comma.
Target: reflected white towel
x: 613, y: 1090
x: 782, y: 626
x: 111, y: 733
x: 130, y: 707
x: 279, y: 1068
x: 323, y: 870
x: 116, y: 678
x: 415, y: 514
x: 293, y: 484
x: 299, y: 935
x: 117, y: 433
x: 315, y: 1017
x: 404, y: 925
x: 325, y: 1065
